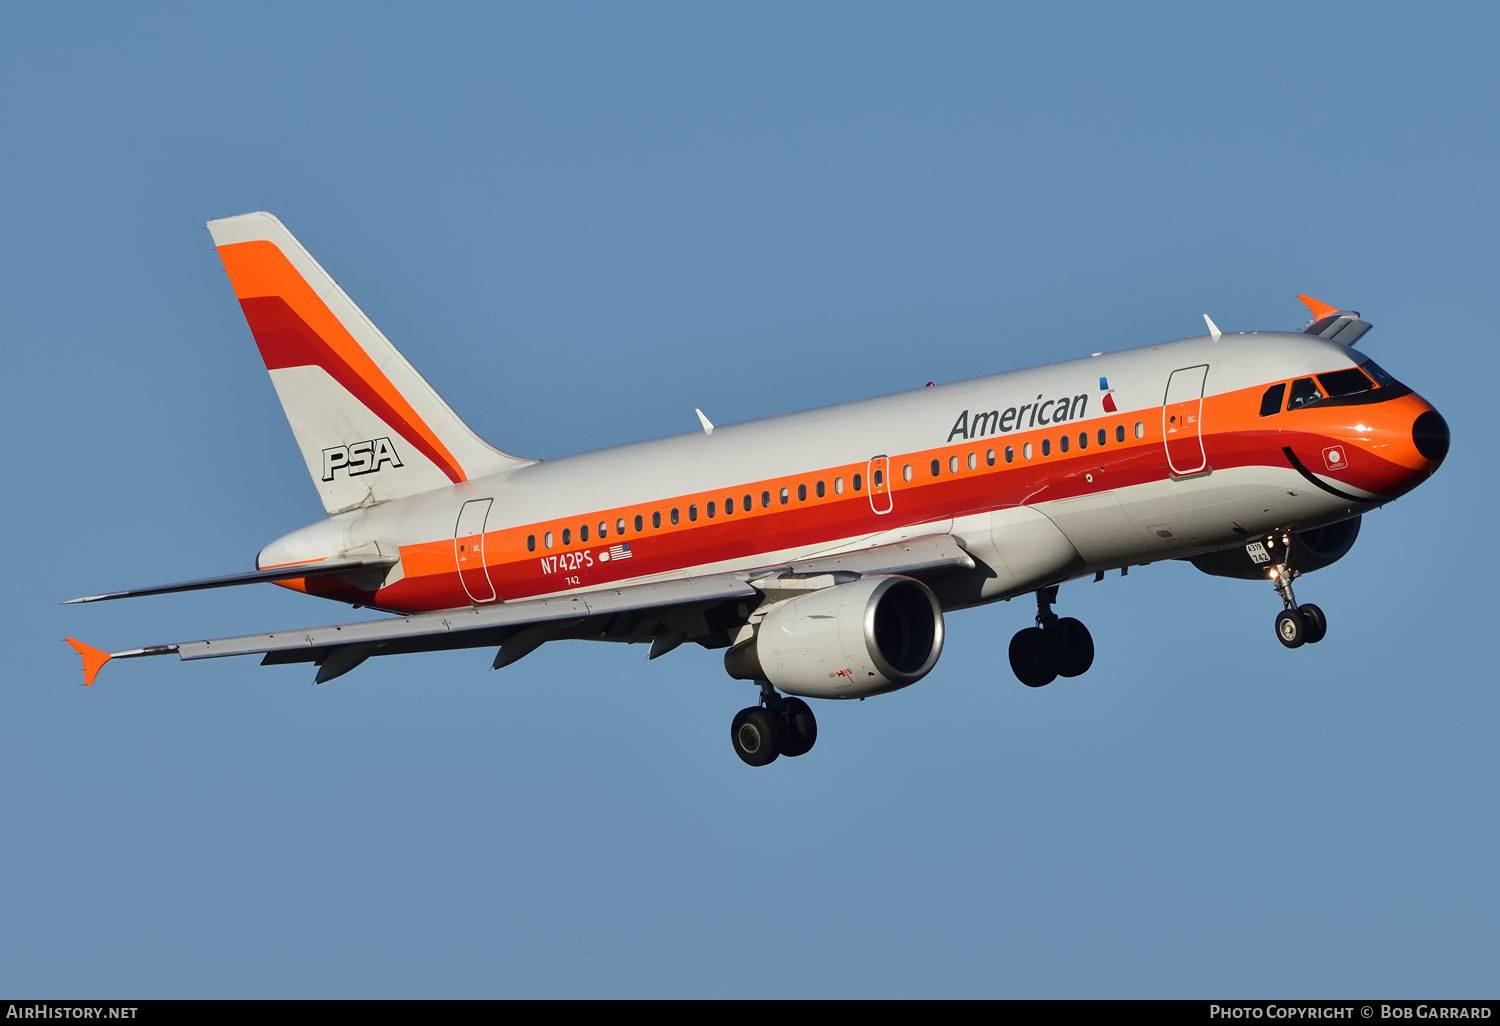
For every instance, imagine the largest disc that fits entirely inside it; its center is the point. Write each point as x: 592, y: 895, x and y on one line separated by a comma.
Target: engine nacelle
x: 867, y: 637
x: 1311, y: 550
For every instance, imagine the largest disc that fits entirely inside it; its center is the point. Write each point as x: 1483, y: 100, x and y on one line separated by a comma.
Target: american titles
x: 980, y: 423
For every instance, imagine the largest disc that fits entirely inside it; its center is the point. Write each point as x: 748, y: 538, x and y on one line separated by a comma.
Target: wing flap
x: 478, y: 618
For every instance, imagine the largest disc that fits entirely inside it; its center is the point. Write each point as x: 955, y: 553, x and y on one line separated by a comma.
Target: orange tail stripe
x: 259, y: 271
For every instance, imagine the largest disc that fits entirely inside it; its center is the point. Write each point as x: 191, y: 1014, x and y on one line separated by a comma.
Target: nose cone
x: 1430, y: 434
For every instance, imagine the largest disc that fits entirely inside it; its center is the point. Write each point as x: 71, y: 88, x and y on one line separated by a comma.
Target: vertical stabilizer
x: 369, y: 427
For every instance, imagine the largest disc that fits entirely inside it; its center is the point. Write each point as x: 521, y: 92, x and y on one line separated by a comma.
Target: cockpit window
x: 1305, y: 392
x: 1375, y: 371
x: 1271, y: 402
x: 1351, y: 381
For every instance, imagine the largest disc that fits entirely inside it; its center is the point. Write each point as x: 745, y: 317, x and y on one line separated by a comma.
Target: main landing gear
x: 1055, y: 647
x: 778, y: 726
x: 1295, y: 625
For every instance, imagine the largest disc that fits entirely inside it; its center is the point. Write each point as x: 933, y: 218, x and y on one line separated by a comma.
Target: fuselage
x: 1041, y: 474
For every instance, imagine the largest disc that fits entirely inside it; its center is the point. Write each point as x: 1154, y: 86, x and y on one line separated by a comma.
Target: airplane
x: 820, y: 550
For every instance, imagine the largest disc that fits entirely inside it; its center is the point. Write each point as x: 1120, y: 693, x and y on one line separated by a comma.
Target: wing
x: 706, y: 609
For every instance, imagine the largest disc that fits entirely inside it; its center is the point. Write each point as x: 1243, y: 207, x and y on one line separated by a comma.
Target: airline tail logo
x: 1109, y: 395
x: 360, y: 458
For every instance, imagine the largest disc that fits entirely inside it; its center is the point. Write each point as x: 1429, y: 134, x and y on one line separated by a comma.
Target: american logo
x: 1109, y: 395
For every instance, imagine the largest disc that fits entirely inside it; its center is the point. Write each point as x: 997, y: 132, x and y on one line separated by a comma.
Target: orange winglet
x: 93, y: 659
x: 1319, y: 310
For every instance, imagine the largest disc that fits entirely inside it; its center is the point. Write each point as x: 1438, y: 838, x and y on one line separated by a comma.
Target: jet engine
x: 1311, y: 550
x: 867, y: 637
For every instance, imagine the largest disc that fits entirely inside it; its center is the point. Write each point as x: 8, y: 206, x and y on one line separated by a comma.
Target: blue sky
x: 582, y: 221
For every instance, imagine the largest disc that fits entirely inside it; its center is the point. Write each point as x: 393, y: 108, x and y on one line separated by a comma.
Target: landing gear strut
x: 778, y: 726
x: 1055, y: 647
x: 1295, y: 625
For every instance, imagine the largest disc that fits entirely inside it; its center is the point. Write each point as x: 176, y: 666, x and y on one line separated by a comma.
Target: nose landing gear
x: 1055, y: 647
x: 1296, y: 625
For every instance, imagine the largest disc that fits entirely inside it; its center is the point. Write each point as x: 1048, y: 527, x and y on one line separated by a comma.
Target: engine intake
x: 867, y: 637
x: 1311, y: 550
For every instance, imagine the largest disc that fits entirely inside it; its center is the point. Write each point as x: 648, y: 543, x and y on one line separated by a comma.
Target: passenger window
x: 1140, y: 429
x: 729, y: 506
x: 906, y: 472
x: 567, y: 536
x: 1271, y: 402
x: 1103, y: 436
x: 838, y: 485
x: 1304, y: 393
x: 547, y: 540
x: 1026, y: 451
x: 1120, y: 432
x: 1046, y: 447
x: 1062, y: 444
x: 747, y: 505
x: 937, y: 468
x: 583, y: 533
x: 1010, y: 454
x: 879, y: 478
x: 786, y: 495
x: 765, y: 500
x: 656, y: 518
x: 603, y: 530
x: 858, y: 484
x: 953, y: 464
x: 989, y: 458
x: 531, y: 543
x: 1083, y: 439
x: 620, y: 525
x: 821, y: 493
x: 710, y: 509
x: 692, y: 511
x: 802, y: 493
x: 675, y: 517
x: 639, y: 524
x: 1351, y: 381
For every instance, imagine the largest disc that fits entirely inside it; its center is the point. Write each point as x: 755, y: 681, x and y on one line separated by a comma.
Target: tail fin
x: 369, y: 427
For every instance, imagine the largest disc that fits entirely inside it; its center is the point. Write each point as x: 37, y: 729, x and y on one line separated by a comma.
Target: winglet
x: 93, y: 660
x: 1319, y: 310
x: 708, y: 427
x: 1213, y: 329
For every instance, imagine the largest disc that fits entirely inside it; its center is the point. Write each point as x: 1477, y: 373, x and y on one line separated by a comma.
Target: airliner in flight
x: 819, y: 550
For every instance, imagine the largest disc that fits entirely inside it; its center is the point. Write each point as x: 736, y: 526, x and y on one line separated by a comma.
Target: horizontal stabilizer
x: 283, y: 573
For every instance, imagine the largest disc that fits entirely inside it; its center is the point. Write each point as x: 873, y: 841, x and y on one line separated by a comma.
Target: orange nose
x: 1430, y: 434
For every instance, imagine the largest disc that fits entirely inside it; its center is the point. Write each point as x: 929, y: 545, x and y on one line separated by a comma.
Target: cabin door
x: 1182, y: 421
x: 468, y: 550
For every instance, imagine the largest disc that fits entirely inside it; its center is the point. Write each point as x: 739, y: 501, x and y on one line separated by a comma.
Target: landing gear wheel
x: 1074, y: 647
x: 799, y: 728
x: 1291, y: 629
x: 1315, y: 623
x: 755, y: 734
x: 1030, y: 658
